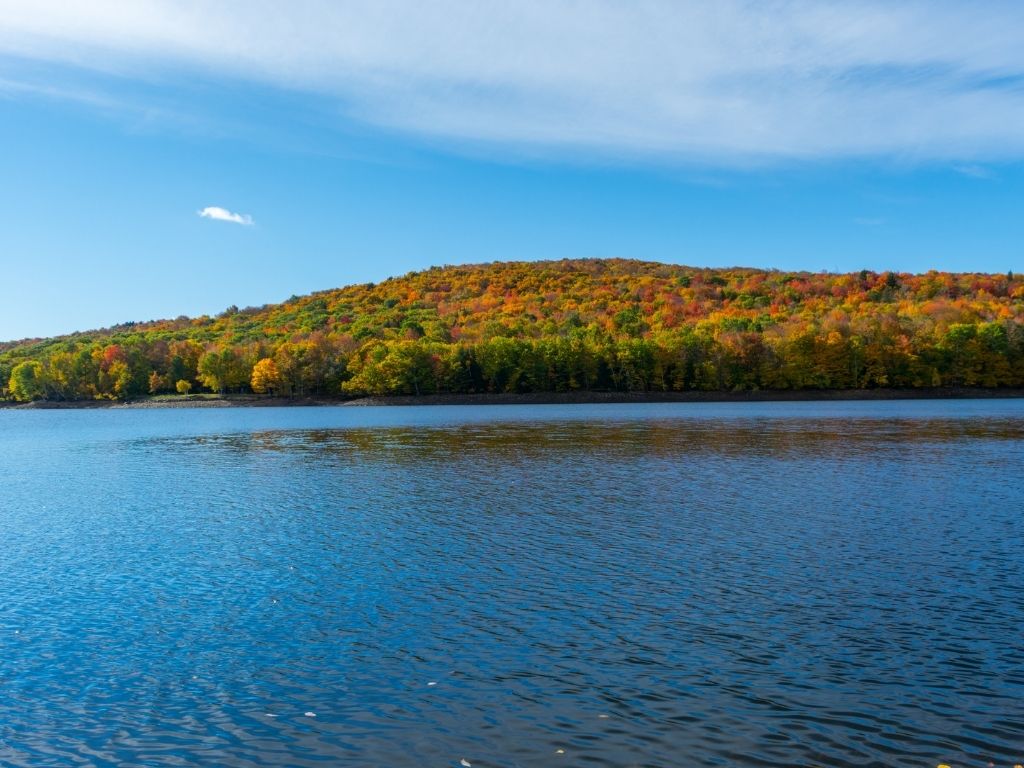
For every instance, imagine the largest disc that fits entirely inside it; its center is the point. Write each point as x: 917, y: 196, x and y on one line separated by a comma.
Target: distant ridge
x: 556, y: 326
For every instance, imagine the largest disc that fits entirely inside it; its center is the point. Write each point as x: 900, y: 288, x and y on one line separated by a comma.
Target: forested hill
x: 598, y: 324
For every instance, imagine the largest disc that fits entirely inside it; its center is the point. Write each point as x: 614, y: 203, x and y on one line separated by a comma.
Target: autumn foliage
x: 556, y: 326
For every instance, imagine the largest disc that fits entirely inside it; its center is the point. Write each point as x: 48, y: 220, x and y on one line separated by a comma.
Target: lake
x: 762, y: 584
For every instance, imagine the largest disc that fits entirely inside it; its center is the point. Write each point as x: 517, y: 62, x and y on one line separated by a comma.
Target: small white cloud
x: 223, y: 214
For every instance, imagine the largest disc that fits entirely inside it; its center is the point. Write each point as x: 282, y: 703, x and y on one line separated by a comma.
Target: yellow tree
x: 28, y: 381
x: 266, y: 378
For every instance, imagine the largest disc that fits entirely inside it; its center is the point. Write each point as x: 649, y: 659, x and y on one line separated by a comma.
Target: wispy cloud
x: 11, y: 87
x: 975, y: 171
x: 723, y: 82
x: 223, y: 214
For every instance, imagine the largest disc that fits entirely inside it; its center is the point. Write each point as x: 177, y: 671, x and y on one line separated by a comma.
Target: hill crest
x: 625, y: 324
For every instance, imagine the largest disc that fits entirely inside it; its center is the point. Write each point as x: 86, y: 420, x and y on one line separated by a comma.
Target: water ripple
x: 770, y: 588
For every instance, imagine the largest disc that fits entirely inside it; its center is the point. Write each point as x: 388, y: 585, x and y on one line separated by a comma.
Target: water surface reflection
x: 762, y: 589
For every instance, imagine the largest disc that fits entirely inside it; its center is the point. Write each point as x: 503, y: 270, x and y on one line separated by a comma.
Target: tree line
x: 554, y: 327
x: 982, y: 355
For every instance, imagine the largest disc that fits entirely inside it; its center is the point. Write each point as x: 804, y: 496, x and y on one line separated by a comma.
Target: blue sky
x: 355, y: 141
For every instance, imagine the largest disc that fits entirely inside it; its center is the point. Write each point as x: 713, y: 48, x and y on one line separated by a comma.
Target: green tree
x: 224, y: 370
x: 27, y: 381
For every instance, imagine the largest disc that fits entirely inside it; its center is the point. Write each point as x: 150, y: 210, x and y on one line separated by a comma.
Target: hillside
x: 596, y: 324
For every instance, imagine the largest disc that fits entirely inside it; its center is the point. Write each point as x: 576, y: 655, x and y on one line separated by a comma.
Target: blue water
x: 768, y: 584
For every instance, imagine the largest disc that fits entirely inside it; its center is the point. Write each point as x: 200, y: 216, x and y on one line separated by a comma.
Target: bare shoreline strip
x: 540, y: 398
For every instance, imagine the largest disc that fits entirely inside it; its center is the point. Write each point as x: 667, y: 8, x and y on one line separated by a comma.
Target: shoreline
x: 532, y: 398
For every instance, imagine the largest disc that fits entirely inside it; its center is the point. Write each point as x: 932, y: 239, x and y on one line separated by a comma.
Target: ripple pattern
x: 642, y: 586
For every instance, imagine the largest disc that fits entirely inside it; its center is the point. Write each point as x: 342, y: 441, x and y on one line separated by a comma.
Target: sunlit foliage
x: 559, y: 326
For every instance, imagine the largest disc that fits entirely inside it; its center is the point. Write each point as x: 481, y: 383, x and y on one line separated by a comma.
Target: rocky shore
x: 534, y: 398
